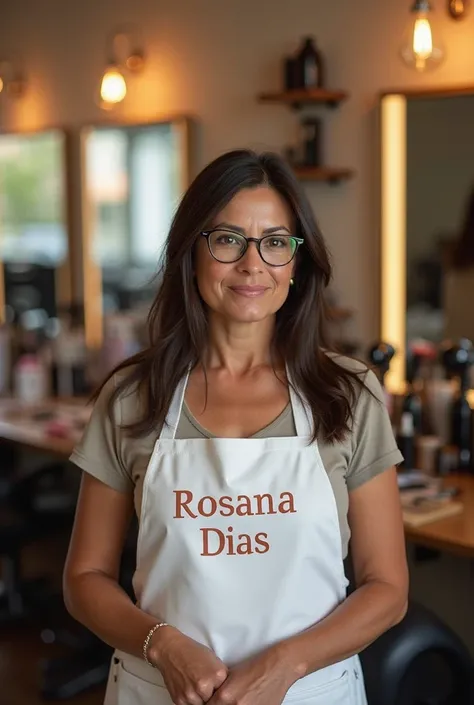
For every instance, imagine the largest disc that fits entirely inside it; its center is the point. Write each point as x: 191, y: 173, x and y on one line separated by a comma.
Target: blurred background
x: 107, y: 112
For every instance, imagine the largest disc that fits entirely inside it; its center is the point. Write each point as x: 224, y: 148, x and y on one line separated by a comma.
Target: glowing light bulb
x: 422, y: 39
x: 1, y: 84
x: 113, y: 87
x: 421, y: 49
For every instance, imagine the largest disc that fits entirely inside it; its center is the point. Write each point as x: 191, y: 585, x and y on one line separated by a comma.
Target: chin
x: 250, y: 314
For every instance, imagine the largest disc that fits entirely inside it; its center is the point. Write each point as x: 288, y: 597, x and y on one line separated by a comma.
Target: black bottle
x: 311, y: 142
x: 309, y: 65
x: 380, y: 356
x: 412, y: 401
x: 406, y: 441
x: 458, y: 361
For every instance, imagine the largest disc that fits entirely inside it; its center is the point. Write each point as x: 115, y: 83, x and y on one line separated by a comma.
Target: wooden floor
x: 21, y: 651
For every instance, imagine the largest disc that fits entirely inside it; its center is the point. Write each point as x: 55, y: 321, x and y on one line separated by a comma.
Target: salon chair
x: 421, y: 661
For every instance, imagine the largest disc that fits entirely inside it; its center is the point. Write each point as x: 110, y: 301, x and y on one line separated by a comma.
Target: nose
x: 251, y: 262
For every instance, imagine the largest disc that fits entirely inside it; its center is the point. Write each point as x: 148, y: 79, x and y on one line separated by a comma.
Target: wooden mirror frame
x: 91, y: 271
x: 393, y: 175
x: 64, y: 277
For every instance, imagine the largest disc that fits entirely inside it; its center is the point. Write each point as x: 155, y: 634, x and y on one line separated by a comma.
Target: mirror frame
x: 393, y: 224
x: 65, y: 272
x: 91, y: 271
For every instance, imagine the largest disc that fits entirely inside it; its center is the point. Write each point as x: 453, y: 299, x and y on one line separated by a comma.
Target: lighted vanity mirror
x: 35, y: 277
x: 427, y: 219
x: 133, y: 177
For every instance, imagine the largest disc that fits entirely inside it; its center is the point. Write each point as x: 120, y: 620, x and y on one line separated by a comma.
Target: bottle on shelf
x: 311, y: 142
x: 309, y: 66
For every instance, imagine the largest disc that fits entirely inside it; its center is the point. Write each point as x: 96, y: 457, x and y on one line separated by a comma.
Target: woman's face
x: 248, y: 290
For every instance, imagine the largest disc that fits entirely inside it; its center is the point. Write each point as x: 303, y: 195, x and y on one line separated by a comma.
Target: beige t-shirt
x: 109, y: 454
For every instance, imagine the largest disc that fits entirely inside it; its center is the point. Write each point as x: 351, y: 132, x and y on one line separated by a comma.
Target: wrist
x: 159, y: 643
x: 289, y: 655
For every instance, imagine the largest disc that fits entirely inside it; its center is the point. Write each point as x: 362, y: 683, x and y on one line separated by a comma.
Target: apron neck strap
x: 168, y: 431
x: 301, y: 410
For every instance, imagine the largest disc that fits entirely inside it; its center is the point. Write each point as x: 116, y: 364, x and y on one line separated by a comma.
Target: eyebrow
x: 238, y: 229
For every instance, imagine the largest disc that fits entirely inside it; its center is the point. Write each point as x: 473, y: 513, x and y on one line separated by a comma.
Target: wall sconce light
x: 458, y: 9
x: 124, y: 56
x: 12, y: 82
x: 422, y: 49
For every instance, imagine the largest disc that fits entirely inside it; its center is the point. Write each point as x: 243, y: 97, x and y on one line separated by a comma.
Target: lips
x: 249, y: 291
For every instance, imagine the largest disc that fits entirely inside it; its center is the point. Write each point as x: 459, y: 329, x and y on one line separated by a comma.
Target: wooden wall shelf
x: 299, y: 97
x: 324, y: 173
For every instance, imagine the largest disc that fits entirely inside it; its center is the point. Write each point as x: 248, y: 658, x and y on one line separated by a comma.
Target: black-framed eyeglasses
x: 227, y: 246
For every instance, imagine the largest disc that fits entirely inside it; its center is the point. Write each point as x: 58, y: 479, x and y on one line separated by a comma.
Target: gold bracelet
x: 146, y: 643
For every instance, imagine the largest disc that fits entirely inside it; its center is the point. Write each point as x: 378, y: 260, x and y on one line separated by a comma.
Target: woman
x: 271, y: 449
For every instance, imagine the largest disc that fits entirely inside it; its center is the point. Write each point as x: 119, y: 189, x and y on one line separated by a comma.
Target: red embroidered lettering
x: 225, y: 503
x: 206, y: 543
x: 270, y: 507
x: 290, y: 502
x: 201, y: 507
x: 259, y: 540
x: 180, y: 504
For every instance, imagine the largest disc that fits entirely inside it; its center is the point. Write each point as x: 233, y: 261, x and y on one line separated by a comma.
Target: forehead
x: 260, y: 206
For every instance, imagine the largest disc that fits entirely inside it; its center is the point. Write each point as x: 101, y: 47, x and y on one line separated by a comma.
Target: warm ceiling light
x: 125, y: 56
x: 421, y: 48
x: 113, y: 88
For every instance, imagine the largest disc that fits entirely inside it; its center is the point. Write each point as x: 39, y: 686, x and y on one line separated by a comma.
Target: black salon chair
x: 421, y: 661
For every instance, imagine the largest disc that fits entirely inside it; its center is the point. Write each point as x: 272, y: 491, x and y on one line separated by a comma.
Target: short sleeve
x: 374, y: 448
x: 99, y: 452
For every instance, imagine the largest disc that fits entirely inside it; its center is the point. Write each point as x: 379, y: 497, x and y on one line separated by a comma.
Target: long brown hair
x: 177, y: 322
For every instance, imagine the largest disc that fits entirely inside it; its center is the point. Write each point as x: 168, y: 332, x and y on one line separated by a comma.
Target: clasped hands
x: 194, y: 675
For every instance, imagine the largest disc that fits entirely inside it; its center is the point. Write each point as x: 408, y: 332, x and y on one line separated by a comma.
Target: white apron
x: 239, y: 547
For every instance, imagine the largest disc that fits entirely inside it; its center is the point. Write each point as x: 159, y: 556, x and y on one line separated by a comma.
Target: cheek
x: 283, y: 276
x: 209, y: 275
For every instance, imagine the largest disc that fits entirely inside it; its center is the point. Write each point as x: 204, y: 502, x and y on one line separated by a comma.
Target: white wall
x: 209, y: 58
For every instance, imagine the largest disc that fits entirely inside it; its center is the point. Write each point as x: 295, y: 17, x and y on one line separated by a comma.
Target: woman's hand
x: 191, y: 671
x: 263, y: 680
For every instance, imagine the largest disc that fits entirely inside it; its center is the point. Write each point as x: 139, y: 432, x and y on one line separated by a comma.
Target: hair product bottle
x: 309, y: 65
x: 458, y: 360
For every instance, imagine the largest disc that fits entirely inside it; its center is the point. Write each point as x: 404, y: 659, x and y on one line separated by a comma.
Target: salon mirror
x: 35, y: 275
x: 133, y: 177
x: 427, y: 273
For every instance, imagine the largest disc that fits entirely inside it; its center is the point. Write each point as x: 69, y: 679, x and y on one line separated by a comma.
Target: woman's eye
x: 226, y: 240
x: 277, y: 242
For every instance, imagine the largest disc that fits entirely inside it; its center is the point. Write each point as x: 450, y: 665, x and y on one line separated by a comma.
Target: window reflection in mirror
x: 34, y: 250
x: 133, y: 179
